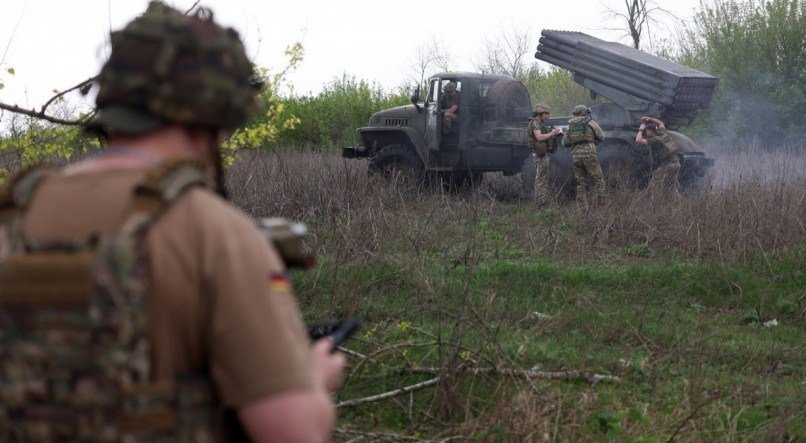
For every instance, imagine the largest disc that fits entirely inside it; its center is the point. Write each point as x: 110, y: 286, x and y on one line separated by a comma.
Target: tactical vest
x: 74, y: 354
x: 664, y: 148
x: 579, y: 131
x: 544, y: 147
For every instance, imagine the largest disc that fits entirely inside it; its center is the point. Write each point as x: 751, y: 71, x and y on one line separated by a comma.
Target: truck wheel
x: 398, y: 164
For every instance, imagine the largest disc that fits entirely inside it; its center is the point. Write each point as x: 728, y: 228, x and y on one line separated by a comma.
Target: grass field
x: 646, y: 319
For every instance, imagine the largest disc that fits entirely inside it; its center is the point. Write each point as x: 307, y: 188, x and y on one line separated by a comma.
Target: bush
x: 330, y: 118
x: 756, y: 50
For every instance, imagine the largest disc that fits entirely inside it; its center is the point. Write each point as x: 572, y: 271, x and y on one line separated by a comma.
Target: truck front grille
x: 396, y: 122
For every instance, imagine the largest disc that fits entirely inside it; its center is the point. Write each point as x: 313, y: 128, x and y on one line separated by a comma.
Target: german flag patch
x: 279, y: 283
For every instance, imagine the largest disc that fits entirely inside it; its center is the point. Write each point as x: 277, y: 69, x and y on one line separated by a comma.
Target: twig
x: 60, y: 94
x: 390, y: 394
x: 689, y: 417
x: 192, y: 6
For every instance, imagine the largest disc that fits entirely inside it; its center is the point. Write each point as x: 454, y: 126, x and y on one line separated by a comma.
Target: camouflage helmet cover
x: 581, y: 110
x: 169, y: 67
x: 540, y: 108
x: 449, y: 87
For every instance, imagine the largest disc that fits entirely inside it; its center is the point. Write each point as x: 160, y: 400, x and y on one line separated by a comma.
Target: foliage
x: 331, y: 117
x: 556, y: 88
x: 264, y: 129
x: 37, y: 143
x: 756, y: 50
x: 10, y: 71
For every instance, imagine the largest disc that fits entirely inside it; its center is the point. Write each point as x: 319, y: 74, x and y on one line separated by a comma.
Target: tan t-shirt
x: 217, y: 299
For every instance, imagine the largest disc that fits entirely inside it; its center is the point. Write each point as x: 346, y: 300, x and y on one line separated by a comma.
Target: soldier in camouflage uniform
x: 665, y: 163
x: 542, y: 142
x: 449, y: 106
x: 582, y: 137
x: 136, y: 303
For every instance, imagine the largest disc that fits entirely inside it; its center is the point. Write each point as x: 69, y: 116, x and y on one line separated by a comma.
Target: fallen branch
x: 390, y: 394
x: 528, y: 374
x: 531, y: 374
x: 388, y: 436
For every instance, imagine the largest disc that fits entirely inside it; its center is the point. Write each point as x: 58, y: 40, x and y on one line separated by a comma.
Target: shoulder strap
x: 159, y: 189
x: 19, y: 190
x: 15, y: 197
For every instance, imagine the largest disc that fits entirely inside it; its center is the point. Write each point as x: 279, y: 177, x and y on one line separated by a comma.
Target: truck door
x: 432, y: 117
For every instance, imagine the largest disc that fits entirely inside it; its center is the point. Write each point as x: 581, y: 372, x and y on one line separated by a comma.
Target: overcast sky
x: 55, y: 44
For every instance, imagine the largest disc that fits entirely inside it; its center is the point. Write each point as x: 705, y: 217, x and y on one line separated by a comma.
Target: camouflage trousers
x: 447, y: 121
x: 665, y: 177
x: 587, y: 171
x: 542, y: 179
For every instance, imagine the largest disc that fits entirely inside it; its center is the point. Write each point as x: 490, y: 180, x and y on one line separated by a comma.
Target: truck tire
x: 398, y: 164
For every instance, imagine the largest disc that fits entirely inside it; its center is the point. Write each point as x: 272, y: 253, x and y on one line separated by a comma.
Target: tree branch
x: 43, y: 116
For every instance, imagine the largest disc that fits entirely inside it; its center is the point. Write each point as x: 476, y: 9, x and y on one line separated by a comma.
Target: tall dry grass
x: 754, y: 206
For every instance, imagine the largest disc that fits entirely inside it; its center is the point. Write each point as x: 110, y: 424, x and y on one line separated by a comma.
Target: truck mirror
x: 415, y: 97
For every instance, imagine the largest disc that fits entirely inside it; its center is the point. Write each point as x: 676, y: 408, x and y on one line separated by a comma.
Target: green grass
x: 686, y: 337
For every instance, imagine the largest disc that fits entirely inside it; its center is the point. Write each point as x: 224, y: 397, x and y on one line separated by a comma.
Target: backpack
x: 74, y: 354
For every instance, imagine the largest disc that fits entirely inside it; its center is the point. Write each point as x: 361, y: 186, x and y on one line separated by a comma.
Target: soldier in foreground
x: 665, y: 163
x: 136, y: 303
x: 582, y: 137
x: 542, y: 142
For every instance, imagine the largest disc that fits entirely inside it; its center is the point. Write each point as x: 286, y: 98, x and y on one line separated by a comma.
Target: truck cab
x: 487, y: 135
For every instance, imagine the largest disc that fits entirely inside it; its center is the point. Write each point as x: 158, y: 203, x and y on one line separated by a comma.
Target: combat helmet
x: 581, y: 110
x: 449, y: 87
x: 169, y: 67
x: 541, y: 108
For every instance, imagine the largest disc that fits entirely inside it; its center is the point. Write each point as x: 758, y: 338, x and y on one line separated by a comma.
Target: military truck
x: 488, y: 136
x: 494, y: 110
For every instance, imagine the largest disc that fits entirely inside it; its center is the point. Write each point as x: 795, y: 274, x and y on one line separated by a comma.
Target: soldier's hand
x: 555, y: 131
x: 328, y: 365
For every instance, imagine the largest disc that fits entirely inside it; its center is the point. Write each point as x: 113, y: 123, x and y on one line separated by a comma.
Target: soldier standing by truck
x: 582, y: 137
x: 542, y: 142
x: 665, y: 164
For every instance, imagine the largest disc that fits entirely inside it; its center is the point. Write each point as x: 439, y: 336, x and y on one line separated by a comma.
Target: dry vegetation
x: 755, y: 205
x: 498, y: 319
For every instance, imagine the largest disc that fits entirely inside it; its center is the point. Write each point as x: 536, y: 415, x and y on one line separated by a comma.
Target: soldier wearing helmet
x: 665, y: 163
x: 169, y: 313
x: 542, y: 141
x: 582, y: 137
x: 449, y: 104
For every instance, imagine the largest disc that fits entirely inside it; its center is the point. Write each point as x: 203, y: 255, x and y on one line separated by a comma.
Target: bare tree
x: 638, y: 17
x: 430, y: 56
x: 506, y: 53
